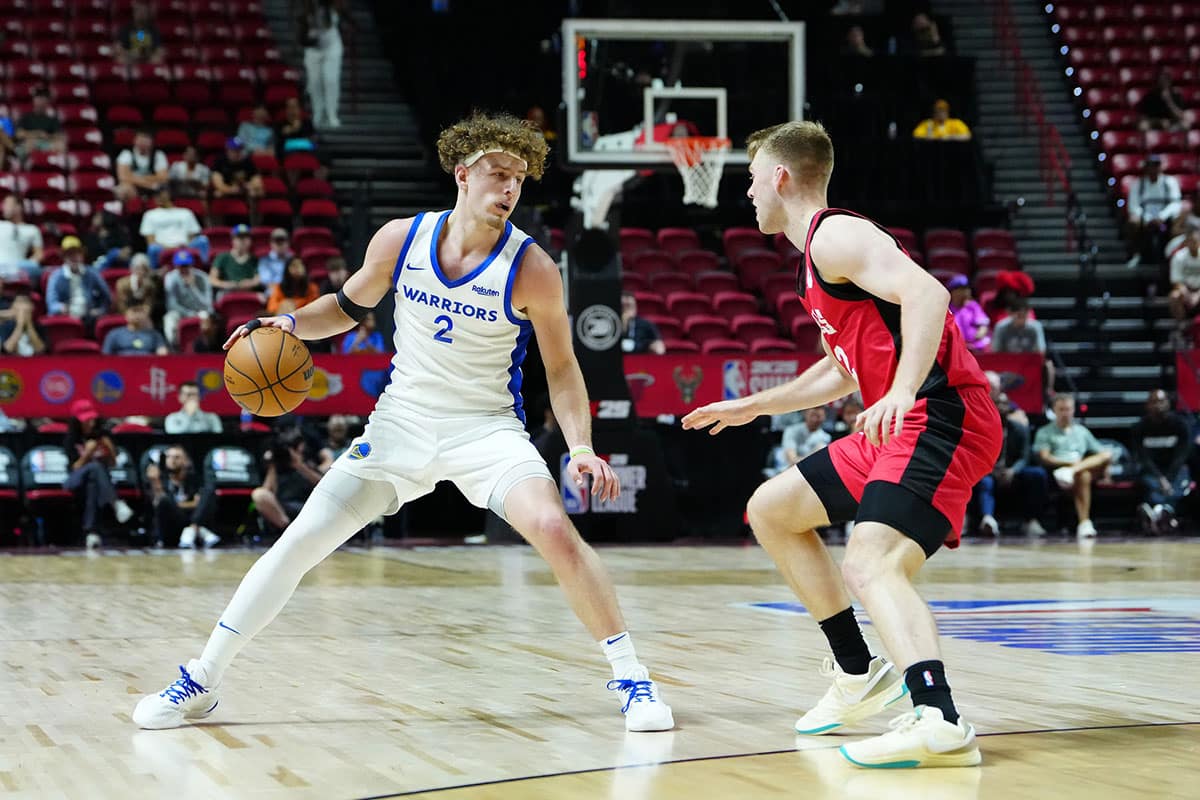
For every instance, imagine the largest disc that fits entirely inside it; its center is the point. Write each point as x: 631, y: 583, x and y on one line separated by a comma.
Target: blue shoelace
x: 183, y: 689
x: 638, y: 691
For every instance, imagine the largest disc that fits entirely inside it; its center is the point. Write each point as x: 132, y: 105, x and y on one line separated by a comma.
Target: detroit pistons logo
x: 823, y: 323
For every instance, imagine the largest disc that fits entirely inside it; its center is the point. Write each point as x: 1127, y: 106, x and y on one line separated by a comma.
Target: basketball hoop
x: 700, y: 160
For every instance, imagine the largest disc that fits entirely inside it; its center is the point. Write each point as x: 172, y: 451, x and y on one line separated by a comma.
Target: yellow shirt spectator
x: 942, y: 126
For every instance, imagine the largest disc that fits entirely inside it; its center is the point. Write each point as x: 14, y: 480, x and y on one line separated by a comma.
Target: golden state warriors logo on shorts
x: 360, y: 451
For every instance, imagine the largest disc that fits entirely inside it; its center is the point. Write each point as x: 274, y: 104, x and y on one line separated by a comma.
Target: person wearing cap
x: 188, y: 294
x: 76, y: 289
x: 941, y: 126
x: 968, y: 314
x: 141, y: 287
x: 1154, y: 201
x: 234, y: 173
x: 92, y: 455
x: 236, y: 269
x: 167, y: 225
x: 20, y: 244
x: 275, y: 260
x: 137, y: 338
x: 141, y: 169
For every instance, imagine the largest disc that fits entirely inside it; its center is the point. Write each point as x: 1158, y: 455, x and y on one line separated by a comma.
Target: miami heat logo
x: 823, y: 323
x: 688, y: 381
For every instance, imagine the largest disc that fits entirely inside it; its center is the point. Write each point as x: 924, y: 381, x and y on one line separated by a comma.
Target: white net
x: 701, y: 160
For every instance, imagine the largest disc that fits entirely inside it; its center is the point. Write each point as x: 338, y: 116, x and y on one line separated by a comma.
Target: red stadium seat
x: 1127, y: 54
x: 720, y: 346
x: 753, y: 266
x: 668, y: 327
x: 996, y: 260
x: 715, y: 281
x: 1104, y: 98
x: 1148, y: 13
x: 1075, y: 35
x: 666, y: 283
x: 221, y: 54
x: 1073, y: 13
x: 303, y: 238
x: 778, y: 284
x: 1178, y: 163
x: 695, y: 262
x: 59, y: 328
x: 42, y: 161
x: 172, y: 116
x: 633, y: 282
x: 1096, y: 77
x: 633, y: 240
x: 274, y: 187
x: 317, y: 258
x: 265, y: 163
x: 1122, y: 142
x: 650, y: 303
x: 680, y: 346
x: 188, y: 332
x: 734, y: 304
x: 172, y: 140
x: 1120, y: 35
x: 648, y: 262
x: 276, y: 94
x: 319, y: 211
x: 1166, y: 142
x: 1115, y: 118
x: 1111, y: 14
x: 686, y: 304
x: 275, y: 211
x: 674, y: 240
x: 1136, y: 77
x: 210, y: 142
x: 302, y: 163
x: 806, y: 334
x: 77, y: 347
x: 219, y: 238
x: 211, y: 117
x: 947, y: 259
x: 235, y: 94
x: 279, y: 73
x: 748, y: 327
x: 84, y: 138
x: 107, y: 323
x: 737, y: 240
x: 1087, y: 57
x: 771, y: 344
x: 95, y: 187
x: 942, y: 238
x: 89, y: 161
x: 229, y: 209
x: 1123, y: 164
x: 907, y: 239
x: 783, y: 245
x: 787, y: 308
x: 993, y: 239
x: 238, y: 304
x: 701, y: 327
x: 316, y: 188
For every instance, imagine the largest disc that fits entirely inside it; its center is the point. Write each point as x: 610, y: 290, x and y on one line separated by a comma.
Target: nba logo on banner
x: 575, y: 498
x: 736, y: 379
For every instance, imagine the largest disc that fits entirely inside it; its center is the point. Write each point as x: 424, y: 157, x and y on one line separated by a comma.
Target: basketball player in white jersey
x: 470, y: 290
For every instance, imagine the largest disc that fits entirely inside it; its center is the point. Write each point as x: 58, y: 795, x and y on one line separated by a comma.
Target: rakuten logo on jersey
x: 823, y: 323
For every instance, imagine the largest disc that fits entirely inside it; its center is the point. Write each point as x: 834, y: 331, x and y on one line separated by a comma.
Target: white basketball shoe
x: 918, y: 738
x: 644, y: 710
x: 853, y: 698
x: 183, y: 700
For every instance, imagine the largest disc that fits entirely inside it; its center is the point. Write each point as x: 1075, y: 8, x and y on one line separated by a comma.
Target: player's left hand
x: 605, y: 483
x: 885, y: 419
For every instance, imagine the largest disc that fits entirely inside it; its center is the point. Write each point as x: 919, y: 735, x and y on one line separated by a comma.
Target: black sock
x: 926, y: 681
x: 846, y: 641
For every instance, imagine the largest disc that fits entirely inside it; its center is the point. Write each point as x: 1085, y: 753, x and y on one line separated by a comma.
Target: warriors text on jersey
x: 459, y: 343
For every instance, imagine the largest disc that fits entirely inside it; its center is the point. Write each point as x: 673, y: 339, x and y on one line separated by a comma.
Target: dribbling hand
x: 282, y: 322
x: 726, y: 414
x: 605, y: 483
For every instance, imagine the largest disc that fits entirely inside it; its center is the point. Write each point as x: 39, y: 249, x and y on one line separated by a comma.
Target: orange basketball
x: 269, y: 372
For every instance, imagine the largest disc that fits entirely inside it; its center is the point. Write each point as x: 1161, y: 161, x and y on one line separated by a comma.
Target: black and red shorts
x: 921, y: 482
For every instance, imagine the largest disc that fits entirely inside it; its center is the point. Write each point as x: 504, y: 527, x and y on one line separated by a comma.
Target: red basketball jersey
x: 863, y: 331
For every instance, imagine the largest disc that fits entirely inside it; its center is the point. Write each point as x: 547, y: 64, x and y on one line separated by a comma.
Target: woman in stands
x: 93, y: 455
x: 295, y: 291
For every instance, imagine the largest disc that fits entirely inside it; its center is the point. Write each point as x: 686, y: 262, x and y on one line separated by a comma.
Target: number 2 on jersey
x: 448, y: 325
x: 842, y: 357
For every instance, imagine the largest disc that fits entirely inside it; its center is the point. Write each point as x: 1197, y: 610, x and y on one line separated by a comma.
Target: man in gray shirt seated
x: 1019, y: 333
x: 137, y: 338
x: 190, y: 418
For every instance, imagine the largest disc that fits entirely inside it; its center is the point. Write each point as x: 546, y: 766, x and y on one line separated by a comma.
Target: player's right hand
x: 725, y: 414
x: 281, y: 322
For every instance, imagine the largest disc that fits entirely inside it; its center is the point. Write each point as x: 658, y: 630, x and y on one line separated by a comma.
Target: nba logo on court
x: 736, y: 376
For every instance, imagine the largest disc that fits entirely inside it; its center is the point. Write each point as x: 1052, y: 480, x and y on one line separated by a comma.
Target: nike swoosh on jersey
x: 411, y: 267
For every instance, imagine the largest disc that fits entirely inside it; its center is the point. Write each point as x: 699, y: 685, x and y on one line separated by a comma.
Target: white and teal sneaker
x: 918, y: 738
x: 644, y: 710
x: 853, y: 698
x: 183, y: 700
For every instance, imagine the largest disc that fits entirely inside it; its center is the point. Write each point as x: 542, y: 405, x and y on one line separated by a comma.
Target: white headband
x: 478, y: 154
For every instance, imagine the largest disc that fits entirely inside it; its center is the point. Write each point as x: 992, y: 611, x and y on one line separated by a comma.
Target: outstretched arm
x: 323, y: 317
x: 538, y: 292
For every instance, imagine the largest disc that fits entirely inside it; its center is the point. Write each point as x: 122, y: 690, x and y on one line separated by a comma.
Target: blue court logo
x: 108, y: 386
x: 360, y: 451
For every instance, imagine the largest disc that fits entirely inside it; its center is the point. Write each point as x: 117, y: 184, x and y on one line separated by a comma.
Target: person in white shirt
x: 190, y: 418
x: 20, y: 244
x: 168, y: 226
x: 1154, y: 200
x: 141, y: 170
x: 188, y: 294
x: 1185, y: 278
x: 801, y: 441
x: 320, y: 23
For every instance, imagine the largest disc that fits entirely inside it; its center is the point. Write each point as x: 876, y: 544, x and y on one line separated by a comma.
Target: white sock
x: 618, y: 649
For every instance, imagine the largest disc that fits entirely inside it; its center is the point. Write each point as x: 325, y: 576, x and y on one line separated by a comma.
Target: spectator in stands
x: 1162, y: 108
x: 141, y: 170
x: 1014, y: 475
x: 337, y: 441
x: 272, y: 264
x: 93, y: 455
x: 39, y: 129
x: 639, y: 335
x: 20, y: 244
x: 855, y: 43
x: 852, y: 406
x: 296, y: 131
x: 257, y: 132
x: 234, y: 174
x: 212, y: 334
x: 181, y: 505
x: 927, y: 40
x: 321, y: 38
x: 189, y: 177
x: 137, y: 338
x: 190, y: 418
x: 236, y: 269
x: 167, y: 226
x: 108, y: 239
x: 336, y: 274
x: 75, y: 288
x: 941, y: 126
x: 1020, y: 333
x: 20, y: 335
x: 288, y: 482
x: 1160, y: 445
x: 969, y: 315
x: 1010, y: 284
x: 188, y: 294
x: 8, y: 147
x: 1154, y: 200
x: 294, y: 291
x: 139, y: 41
x: 364, y: 338
x: 1185, y: 279
x: 140, y: 287
x: 1075, y: 456
x: 801, y: 441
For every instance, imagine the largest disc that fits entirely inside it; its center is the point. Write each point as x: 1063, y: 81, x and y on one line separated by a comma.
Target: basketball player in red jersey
x: 928, y: 434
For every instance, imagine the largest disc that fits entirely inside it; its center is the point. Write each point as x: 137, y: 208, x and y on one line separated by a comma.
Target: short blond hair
x: 803, y: 147
x: 482, y: 131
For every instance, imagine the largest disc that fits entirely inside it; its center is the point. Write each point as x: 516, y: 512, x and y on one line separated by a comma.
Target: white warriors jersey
x: 459, y: 343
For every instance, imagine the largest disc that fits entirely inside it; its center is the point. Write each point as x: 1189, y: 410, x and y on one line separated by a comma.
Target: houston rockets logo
x: 688, y: 381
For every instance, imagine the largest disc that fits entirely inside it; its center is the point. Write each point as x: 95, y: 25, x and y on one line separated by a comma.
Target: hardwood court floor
x: 455, y: 673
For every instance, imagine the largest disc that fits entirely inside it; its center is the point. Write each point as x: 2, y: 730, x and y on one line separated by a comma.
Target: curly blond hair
x: 482, y: 131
